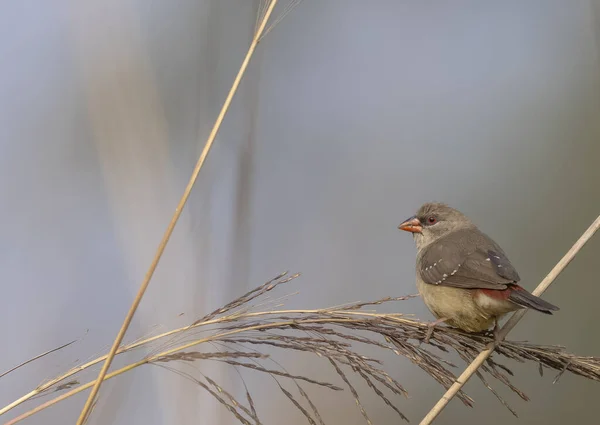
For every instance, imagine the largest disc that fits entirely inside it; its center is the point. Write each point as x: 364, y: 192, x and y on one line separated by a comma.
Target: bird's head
x: 433, y: 221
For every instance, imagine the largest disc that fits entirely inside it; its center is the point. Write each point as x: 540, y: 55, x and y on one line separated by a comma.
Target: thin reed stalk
x: 163, y: 243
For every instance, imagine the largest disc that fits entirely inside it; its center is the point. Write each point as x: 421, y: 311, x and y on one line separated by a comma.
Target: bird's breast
x: 445, y: 301
x: 459, y: 306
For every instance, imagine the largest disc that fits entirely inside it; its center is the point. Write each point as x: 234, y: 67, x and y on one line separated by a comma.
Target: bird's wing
x: 469, y: 260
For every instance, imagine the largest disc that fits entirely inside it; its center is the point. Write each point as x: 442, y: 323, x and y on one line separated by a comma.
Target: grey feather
x: 466, y: 258
x: 525, y: 299
x: 502, y: 265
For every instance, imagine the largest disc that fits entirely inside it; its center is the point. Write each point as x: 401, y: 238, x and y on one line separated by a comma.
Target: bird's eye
x: 431, y: 220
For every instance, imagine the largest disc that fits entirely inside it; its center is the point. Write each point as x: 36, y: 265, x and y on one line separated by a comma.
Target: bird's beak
x: 412, y: 225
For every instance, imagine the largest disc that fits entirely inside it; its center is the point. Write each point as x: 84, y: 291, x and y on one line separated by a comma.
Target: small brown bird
x: 463, y: 276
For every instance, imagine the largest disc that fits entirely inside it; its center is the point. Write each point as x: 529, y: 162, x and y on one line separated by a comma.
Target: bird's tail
x: 523, y: 298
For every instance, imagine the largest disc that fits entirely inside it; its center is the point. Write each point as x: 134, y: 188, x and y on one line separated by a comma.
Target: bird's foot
x: 430, y: 328
x: 496, y: 332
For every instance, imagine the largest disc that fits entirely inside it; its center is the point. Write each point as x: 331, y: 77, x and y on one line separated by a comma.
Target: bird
x: 463, y: 276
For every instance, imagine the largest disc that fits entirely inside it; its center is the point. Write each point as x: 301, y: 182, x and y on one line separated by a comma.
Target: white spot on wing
x: 487, y: 259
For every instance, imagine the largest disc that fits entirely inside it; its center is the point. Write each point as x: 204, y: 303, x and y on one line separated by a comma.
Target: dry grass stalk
x: 34, y: 358
x: 478, y: 362
x: 163, y: 243
x: 332, y: 334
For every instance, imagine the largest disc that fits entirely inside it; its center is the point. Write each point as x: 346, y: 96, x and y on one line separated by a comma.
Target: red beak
x: 412, y: 225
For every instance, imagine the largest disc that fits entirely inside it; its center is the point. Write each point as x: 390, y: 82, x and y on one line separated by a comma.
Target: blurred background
x: 352, y: 114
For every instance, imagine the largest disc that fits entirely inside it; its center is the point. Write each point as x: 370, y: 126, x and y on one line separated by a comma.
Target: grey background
x: 352, y: 115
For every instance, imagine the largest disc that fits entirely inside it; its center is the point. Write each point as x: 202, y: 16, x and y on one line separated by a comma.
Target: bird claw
x: 430, y: 327
x: 429, y: 333
x: 496, y: 332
